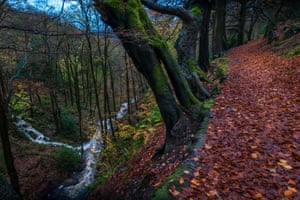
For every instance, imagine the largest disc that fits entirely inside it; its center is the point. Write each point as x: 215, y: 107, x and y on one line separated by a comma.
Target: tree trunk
x: 130, y: 22
x: 78, y: 105
x: 55, y: 109
x: 251, y: 26
x: 8, y: 156
x: 127, y: 65
x: 157, y: 80
x: 186, y: 58
x: 186, y: 44
x: 242, y: 18
x: 219, y: 29
x: 92, y: 67
x: 203, y: 60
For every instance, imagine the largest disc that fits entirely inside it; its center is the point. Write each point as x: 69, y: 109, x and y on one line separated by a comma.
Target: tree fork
x: 132, y: 25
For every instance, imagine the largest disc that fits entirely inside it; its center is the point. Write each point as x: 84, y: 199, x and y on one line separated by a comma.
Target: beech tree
x: 152, y: 56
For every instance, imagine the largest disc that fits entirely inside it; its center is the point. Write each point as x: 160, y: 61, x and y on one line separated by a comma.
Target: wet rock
x: 32, y: 134
x: 69, y: 182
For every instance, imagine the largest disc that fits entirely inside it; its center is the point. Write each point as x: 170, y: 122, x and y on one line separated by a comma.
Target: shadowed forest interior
x: 146, y: 99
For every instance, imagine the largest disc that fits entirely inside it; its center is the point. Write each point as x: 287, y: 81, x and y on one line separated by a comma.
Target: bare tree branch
x: 40, y: 32
x: 180, y: 12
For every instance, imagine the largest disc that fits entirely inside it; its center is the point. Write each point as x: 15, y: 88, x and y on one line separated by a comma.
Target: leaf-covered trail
x: 252, y: 149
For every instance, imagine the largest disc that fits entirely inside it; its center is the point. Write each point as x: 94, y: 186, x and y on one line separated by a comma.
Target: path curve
x: 252, y: 149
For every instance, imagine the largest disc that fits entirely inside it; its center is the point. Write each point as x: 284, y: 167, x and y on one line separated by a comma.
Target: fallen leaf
x: 208, y: 147
x: 181, y: 180
x: 196, y: 159
x: 195, y: 181
x: 254, y: 155
x: 196, y: 174
x: 174, y: 192
x: 292, y: 189
x: 288, y: 193
x: 212, y: 193
x: 291, y: 182
x: 258, y: 196
x: 284, y: 164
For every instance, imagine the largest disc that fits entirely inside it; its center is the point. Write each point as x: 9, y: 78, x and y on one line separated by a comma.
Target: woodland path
x: 252, y: 144
x: 252, y: 149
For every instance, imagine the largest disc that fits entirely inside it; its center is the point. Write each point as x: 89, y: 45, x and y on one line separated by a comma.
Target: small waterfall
x: 87, y: 176
x: 36, y: 136
x: 92, y: 150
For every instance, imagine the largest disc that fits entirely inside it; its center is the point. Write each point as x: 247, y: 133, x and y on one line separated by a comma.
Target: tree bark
x: 8, y: 156
x: 203, y: 60
x: 130, y: 22
x: 242, y: 18
x: 55, y: 109
x: 219, y: 29
x: 186, y: 43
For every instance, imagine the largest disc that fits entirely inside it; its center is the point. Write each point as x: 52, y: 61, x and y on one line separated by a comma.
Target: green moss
x: 220, y: 70
x: 160, y: 82
x: 169, y: 61
x: 194, y: 68
x: 115, y: 4
x: 208, y: 103
x: 146, y: 21
x: 196, y: 11
x: 158, y: 42
x: 162, y: 191
x: 295, y: 51
x: 116, y: 10
x: 193, y: 99
x: 133, y: 15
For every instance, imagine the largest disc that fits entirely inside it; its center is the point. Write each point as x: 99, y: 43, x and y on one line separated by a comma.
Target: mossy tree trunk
x: 150, y: 54
x: 191, y: 16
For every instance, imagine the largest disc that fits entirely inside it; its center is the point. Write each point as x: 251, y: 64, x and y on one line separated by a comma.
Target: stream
x: 91, y: 152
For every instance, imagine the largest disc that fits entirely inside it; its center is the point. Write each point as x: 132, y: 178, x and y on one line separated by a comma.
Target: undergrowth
x: 128, y: 139
x: 162, y: 191
x: 65, y: 160
x: 293, y: 52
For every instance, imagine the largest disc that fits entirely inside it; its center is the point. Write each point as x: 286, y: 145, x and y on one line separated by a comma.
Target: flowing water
x: 91, y: 152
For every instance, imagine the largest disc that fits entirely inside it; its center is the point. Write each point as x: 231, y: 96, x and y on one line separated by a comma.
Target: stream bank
x: 75, y: 186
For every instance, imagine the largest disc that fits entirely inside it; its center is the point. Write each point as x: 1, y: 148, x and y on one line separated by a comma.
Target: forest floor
x: 252, y: 144
x: 252, y: 150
